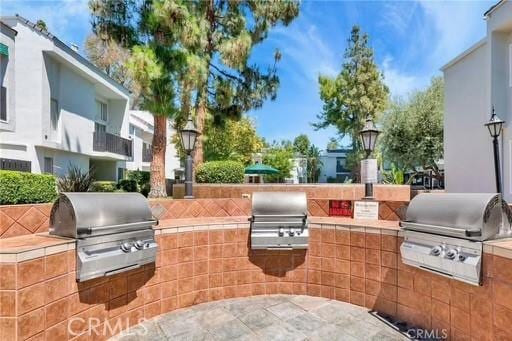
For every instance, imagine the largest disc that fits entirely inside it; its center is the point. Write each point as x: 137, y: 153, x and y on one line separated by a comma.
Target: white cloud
x: 401, y: 83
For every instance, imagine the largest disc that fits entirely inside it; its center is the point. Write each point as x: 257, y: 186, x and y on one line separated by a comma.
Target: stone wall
x: 40, y: 298
x: 313, y: 191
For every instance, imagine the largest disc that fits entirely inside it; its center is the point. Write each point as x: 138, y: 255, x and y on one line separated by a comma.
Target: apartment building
x: 475, y: 81
x: 59, y: 110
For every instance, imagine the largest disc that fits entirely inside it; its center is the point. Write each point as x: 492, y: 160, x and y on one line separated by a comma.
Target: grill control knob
x: 436, y: 251
x: 451, y: 254
x: 462, y: 258
x: 139, y: 244
x: 126, y: 246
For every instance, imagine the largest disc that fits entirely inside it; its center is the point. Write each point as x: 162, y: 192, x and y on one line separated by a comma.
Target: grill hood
x: 474, y: 216
x: 79, y: 215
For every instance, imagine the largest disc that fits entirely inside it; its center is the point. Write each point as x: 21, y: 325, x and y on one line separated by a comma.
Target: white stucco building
x: 332, y: 168
x: 61, y: 110
x: 141, y: 133
x: 476, y: 80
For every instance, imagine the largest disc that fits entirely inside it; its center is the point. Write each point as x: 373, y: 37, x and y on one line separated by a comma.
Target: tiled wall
x: 18, y: 220
x: 313, y: 191
x: 39, y: 297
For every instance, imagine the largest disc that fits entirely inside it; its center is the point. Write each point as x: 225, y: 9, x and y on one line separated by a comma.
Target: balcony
x: 147, y: 156
x: 105, y: 142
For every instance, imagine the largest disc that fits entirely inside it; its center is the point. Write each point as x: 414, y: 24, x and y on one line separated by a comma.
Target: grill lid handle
x: 121, y: 227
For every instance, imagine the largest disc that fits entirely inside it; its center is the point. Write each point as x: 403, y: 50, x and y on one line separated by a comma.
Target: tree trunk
x: 157, y: 175
x: 201, y: 118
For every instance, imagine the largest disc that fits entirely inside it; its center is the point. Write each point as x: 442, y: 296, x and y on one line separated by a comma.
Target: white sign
x: 366, y: 210
x: 369, y: 171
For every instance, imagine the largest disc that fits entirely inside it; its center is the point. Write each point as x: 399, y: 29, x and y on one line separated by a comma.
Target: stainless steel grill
x: 443, y: 232
x: 113, y: 231
x: 279, y: 221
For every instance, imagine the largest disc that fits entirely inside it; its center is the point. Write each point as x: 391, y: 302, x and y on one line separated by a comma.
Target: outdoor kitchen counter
x: 18, y: 249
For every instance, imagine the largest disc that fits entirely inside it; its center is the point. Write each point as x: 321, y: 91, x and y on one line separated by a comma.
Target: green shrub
x: 26, y: 188
x: 76, y: 180
x: 144, y: 190
x: 220, y: 172
x: 142, y: 180
x: 103, y: 186
x: 127, y: 185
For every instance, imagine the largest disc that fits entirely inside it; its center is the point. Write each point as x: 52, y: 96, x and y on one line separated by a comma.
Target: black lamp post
x: 495, y: 126
x: 189, y: 136
x: 369, y: 136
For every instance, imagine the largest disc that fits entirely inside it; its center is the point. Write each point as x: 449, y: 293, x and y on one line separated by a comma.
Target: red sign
x: 340, y: 208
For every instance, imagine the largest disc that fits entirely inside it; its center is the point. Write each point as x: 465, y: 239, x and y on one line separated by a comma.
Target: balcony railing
x: 147, y: 156
x: 105, y: 142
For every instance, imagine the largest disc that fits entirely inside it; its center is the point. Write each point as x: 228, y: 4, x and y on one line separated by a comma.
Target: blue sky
x: 411, y: 39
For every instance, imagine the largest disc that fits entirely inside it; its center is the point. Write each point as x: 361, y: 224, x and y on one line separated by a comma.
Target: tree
x: 313, y: 164
x: 279, y: 156
x: 219, y: 37
x: 112, y: 58
x: 301, y: 144
x: 413, y: 130
x: 332, y: 144
x: 41, y: 25
x: 235, y: 140
x: 155, y: 60
x: 357, y: 91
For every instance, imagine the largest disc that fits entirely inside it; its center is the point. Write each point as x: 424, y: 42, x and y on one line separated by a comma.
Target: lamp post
x: 369, y: 136
x: 189, y: 136
x: 495, y: 126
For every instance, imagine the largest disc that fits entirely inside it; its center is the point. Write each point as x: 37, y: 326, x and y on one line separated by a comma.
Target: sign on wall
x: 340, y: 208
x: 369, y: 171
x: 366, y: 210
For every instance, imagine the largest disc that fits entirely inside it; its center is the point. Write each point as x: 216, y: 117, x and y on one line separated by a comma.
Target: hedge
x: 26, y: 188
x: 127, y: 185
x: 103, y: 186
x: 220, y: 172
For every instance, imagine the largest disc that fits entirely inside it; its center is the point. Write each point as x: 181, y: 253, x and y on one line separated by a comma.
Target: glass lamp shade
x: 189, y: 136
x: 494, y: 125
x: 369, y: 135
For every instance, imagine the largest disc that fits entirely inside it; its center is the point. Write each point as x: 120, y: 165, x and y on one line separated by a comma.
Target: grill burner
x: 443, y: 232
x: 279, y: 221
x: 113, y: 231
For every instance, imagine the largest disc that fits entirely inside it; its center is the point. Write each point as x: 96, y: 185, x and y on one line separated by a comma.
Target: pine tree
x: 219, y: 38
x: 357, y: 91
x: 155, y: 60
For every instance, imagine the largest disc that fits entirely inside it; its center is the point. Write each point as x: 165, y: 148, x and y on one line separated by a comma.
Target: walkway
x: 276, y: 317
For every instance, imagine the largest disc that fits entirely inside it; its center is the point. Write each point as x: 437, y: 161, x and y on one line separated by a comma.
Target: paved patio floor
x: 275, y: 317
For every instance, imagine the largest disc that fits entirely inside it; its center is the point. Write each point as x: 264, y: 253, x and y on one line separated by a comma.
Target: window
x: 3, y: 89
x: 101, y: 110
x: 48, y: 165
x: 340, y: 165
x: 120, y: 174
x: 3, y: 103
x: 100, y: 128
x: 54, y: 115
x: 132, y: 129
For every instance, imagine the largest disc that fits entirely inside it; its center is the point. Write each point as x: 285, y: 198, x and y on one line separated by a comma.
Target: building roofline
x: 59, y: 43
x: 493, y: 8
x: 4, y: 25
x: 462, y: 55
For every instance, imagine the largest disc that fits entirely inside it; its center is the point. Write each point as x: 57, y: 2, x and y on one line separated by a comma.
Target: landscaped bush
x: 103, y: 186
x: 26, y: 188
x: 142, y: 180
x: 127, y: 185
x: 220, y: 172
x: 76, y: 180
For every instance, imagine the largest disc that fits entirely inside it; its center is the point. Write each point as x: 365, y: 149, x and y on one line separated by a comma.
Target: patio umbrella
x: 260, y: 168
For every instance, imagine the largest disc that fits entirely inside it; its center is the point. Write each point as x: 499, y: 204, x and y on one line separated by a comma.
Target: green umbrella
x: 260, y: 168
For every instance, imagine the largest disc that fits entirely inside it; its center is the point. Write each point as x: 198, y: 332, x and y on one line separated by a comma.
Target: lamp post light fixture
x: 189, y: 136
x: 495, y: 125
x: 369, y: 136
